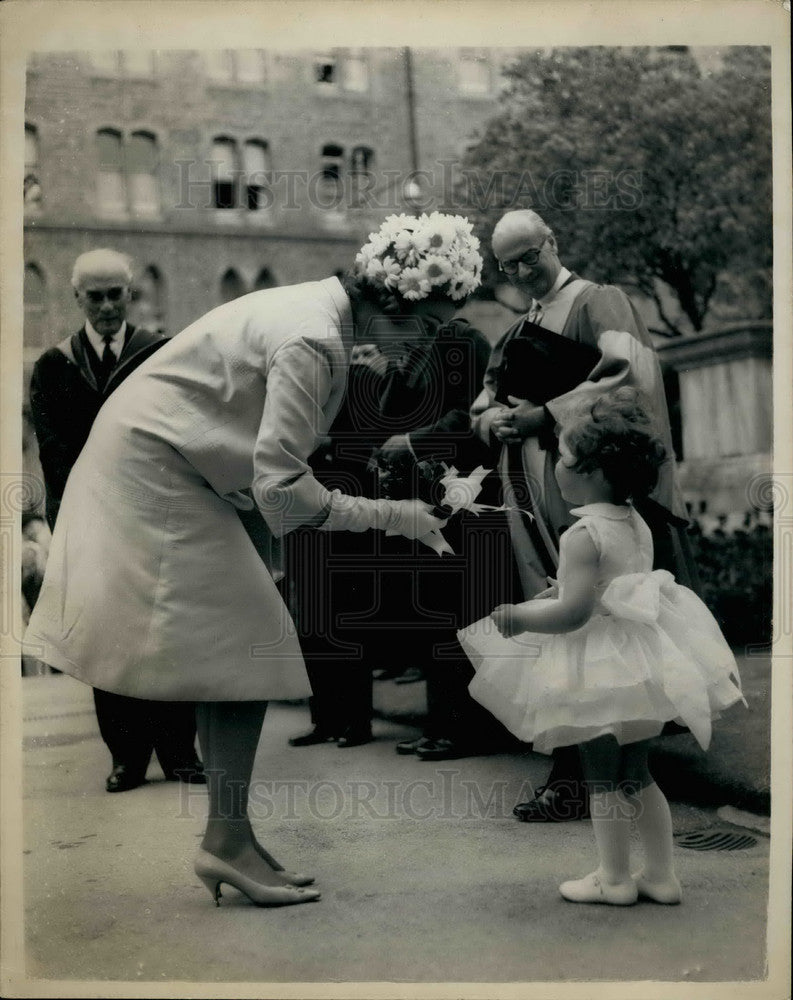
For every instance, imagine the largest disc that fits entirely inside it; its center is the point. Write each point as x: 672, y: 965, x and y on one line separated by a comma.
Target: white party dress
x: 650, y: 653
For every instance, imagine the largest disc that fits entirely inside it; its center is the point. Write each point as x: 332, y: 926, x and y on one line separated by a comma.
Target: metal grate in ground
x: 715, y: 840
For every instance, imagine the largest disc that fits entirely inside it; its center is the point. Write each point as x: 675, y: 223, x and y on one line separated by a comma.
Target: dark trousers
x: 132, y: 728
x: 367, y: 601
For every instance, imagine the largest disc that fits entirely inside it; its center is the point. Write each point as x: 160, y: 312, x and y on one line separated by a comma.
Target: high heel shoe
x: 296, y: 878
x: 213, y: 871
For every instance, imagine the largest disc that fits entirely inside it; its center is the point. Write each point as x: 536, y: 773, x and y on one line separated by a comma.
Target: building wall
x: 300, y: 234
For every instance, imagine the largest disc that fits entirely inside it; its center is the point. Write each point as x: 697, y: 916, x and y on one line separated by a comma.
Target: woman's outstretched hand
x: 415, y: 518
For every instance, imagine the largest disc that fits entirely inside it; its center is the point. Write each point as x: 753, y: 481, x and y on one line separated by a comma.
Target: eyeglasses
x: 529, y: 258
x: 114, y: 294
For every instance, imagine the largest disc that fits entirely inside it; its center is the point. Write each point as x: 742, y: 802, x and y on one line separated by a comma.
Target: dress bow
x: 637, y: 596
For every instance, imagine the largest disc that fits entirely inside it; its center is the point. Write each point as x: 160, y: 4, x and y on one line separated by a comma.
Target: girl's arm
x: 563, y: 614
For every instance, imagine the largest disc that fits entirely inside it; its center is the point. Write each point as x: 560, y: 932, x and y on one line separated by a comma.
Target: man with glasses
x: 69, y: 384
x: 525, y: 434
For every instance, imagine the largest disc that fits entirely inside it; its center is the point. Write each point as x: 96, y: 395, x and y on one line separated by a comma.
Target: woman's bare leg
x: 228, y: 733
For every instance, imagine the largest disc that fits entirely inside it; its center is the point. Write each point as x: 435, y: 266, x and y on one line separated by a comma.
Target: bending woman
x: 231, y: 408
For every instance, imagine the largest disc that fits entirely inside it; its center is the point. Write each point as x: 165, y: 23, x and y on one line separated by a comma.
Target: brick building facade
x: 223, y: 171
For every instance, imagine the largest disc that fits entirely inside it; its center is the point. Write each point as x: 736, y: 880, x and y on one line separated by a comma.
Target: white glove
x: 411, y: 518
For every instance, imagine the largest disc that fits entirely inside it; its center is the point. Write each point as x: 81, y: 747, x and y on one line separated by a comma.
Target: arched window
x: 35, y: 301
x: 111, y: 197
x: 265, y: 279
x: 148, y: 301
x: 226, y: 172
x: 142, y: 171
x: 231, y: 286
x: 332, y: 162
x: 32, y: 183
x: 361, y: 159
x: 258, y: 174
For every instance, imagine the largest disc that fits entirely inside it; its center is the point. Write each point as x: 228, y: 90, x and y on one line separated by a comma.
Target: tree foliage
x: 648, y: 168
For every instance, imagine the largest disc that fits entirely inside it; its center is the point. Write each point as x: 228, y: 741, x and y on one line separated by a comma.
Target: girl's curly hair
x: 616, y: 435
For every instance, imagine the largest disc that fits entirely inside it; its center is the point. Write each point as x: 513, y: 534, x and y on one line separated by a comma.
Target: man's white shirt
x: 116, y: 344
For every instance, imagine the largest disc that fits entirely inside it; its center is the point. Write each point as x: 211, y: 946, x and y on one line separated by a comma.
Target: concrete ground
x: 426, y: 877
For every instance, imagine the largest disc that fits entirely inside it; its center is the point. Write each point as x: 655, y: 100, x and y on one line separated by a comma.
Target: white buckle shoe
x: 592, y: 889
x: 669, y: 893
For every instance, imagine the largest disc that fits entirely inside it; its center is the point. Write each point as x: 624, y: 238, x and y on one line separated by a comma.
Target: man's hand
x: 517, y: 422
x: 370, y: 356
x: 395, y: 446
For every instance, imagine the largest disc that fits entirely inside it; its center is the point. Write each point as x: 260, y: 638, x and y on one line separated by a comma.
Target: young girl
x: 610, y: 654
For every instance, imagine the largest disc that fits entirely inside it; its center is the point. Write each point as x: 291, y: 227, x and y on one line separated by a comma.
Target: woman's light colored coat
x: 153, y: 588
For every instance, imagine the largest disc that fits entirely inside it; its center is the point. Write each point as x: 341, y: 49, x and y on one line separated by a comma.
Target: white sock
x: 611, y: 822
x: 654, y: 823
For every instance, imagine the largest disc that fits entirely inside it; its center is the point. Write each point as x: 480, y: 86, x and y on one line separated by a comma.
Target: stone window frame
x: 483, y: 58
x: 228, y: 273
x: 38, y: 312
x: 339, y: 86
x: 234, y: 79
x: 32, y: 190
x: 125, y: 208
x: 119, y: 68
x: 240, y: 176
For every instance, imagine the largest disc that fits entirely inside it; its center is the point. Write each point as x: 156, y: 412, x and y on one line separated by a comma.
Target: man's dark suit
x: 66, y: 394
x: 365, y: 600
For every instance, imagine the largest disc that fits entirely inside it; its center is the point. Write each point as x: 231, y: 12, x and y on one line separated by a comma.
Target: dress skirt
x: 651, y: 653
x: 154, y: 589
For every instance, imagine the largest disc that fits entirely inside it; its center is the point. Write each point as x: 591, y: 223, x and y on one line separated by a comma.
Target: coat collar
x: 137, y: 341
x: 612, y: 511
x: 343, y: 308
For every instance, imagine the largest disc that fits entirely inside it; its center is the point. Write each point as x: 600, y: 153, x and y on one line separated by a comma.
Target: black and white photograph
x: 396, y: 499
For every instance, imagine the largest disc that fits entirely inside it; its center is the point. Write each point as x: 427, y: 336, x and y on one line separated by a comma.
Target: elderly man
x: 602, y: 317
x: 70, y: 383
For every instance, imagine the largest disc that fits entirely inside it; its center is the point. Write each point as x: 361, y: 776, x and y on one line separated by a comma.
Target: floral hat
x: 434, y: 253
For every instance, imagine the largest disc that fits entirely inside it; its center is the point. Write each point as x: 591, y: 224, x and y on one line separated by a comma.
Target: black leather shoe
x: 413, y: 746
x: 443, y: 749
x: 355, y: 738
x: 564, y: 805
x: 310, y: 738
x: 123, y: 778
x: 191, y: 773
x: 410, y: 676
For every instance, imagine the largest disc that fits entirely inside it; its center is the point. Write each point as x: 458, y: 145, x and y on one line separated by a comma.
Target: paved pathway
x: 425, y: 874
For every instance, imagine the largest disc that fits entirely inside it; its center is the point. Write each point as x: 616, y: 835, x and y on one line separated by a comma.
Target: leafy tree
x: 648, y: 168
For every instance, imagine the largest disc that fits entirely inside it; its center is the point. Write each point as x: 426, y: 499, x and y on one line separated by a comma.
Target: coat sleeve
x: 453, y: 433
x: 300, y: 381
x: 608, y: 321
x: 484, y: 407
x: 50, y: 412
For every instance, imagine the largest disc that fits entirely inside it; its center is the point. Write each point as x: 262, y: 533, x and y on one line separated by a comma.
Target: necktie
x: 108, y: 361
x: 535, y: 315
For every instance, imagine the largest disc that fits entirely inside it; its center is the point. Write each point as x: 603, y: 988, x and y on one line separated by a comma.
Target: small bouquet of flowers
x: 401, y: 477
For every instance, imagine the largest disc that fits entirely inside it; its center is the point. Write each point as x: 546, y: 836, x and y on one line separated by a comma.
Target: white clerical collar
x: 550, y: 295
x: 98, y: 344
